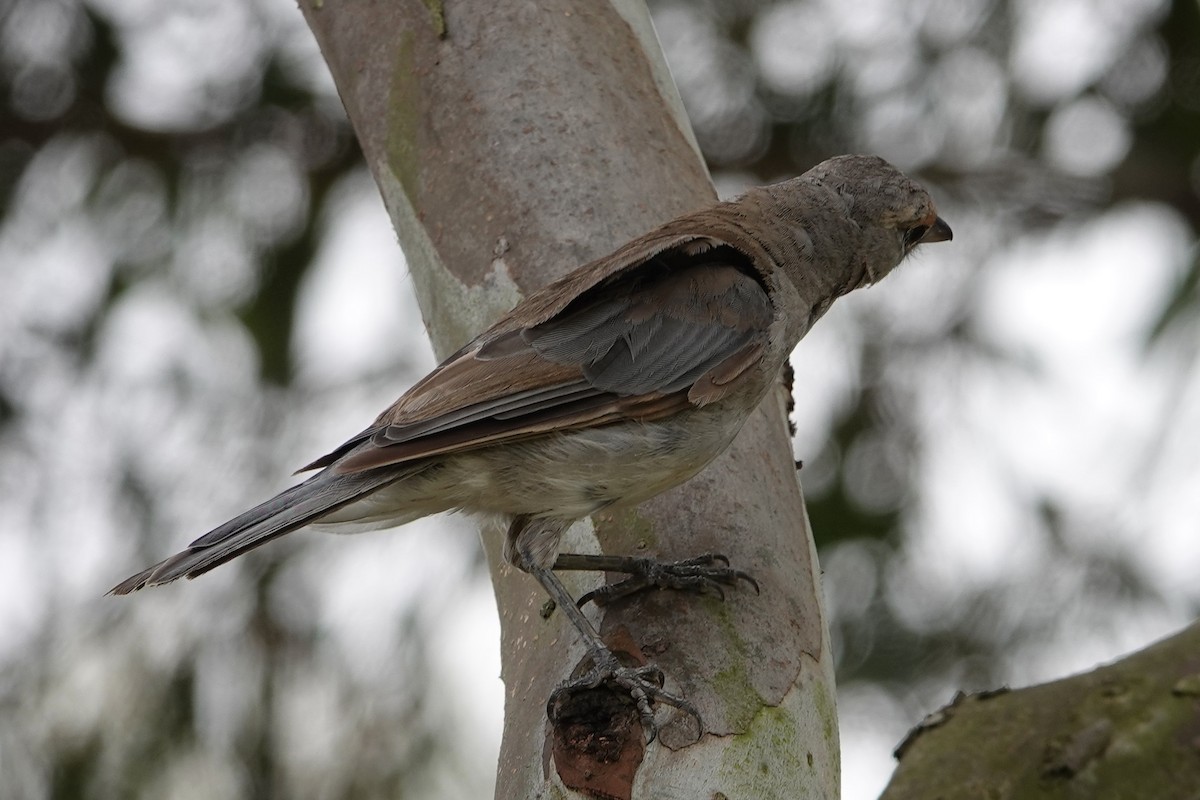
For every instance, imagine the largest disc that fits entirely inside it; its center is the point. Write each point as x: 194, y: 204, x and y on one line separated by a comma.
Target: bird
x: 620, y: 380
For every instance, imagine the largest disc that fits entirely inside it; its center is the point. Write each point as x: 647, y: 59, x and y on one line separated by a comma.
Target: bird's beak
x: 939, y: 231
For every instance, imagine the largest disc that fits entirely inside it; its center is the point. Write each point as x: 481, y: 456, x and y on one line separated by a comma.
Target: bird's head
x: 894, y: 214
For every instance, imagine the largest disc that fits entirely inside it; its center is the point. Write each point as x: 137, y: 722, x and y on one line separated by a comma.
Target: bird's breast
x: 576, y: 473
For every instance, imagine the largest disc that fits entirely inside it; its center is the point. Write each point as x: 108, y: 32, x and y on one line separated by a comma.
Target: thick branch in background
x: 1130, y: 729
x: 512, y: 142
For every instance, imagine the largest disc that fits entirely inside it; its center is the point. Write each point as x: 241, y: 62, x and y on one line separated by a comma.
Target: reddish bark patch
x: 598, y: 744
x: 597, y: 736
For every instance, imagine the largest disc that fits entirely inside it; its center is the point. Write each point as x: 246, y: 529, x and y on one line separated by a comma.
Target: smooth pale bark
x: 513, y: 141
x: 1127, y: 730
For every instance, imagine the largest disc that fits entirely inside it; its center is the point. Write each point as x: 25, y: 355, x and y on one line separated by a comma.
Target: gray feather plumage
x: 285, y: 512
x: 629, y: 353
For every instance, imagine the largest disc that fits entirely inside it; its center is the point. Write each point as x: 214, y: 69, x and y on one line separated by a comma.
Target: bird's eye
x: 914, y: 235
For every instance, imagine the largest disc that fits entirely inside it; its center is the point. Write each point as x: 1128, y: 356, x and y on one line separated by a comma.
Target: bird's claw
x: 705, y: 574
x: 643, y: 685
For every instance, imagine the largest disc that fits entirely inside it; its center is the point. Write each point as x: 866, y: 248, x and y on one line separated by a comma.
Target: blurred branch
x: 1125, y: 730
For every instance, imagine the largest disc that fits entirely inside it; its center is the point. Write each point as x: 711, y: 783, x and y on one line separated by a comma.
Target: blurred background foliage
x: 201, y: 292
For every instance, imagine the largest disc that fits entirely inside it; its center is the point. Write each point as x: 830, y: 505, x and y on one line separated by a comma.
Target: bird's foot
x: 642, y: 685
x: 705, y: 574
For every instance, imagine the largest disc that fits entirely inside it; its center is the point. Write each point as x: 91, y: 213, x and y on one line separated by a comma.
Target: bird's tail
x: 285, y: 512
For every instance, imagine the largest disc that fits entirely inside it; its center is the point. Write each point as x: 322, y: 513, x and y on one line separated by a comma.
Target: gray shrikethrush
x: 617, y: 382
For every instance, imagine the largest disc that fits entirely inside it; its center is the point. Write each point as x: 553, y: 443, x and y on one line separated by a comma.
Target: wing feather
x: 632, y: 349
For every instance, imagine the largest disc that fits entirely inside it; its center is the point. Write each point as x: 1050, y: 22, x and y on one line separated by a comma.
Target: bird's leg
x: 644, y: 684
x: 704, y: 574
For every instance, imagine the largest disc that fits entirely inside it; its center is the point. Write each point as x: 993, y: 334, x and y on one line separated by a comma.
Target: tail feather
x: 285, y: 512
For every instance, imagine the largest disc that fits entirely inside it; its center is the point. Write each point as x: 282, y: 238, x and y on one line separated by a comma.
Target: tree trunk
x: 513, y: 141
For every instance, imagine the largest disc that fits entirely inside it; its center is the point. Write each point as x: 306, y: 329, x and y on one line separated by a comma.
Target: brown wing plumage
x: 672, y: 330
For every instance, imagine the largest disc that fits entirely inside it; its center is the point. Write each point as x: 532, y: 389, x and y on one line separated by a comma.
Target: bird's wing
x: 668, y: 331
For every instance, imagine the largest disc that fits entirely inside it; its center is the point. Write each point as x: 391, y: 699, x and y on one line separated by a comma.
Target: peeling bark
x: 513, y: 141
